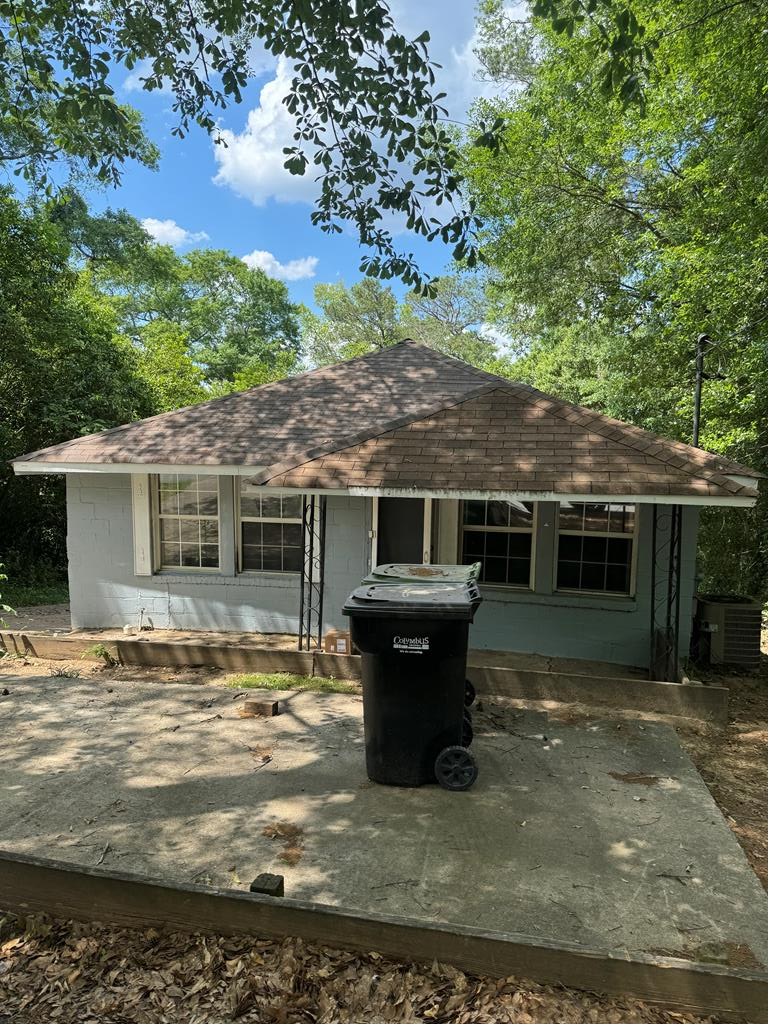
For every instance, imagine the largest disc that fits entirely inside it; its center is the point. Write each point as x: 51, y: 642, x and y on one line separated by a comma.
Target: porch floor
x: 600, y: 833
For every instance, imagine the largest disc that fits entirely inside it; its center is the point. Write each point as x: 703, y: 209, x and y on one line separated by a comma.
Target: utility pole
x: 701, y: 343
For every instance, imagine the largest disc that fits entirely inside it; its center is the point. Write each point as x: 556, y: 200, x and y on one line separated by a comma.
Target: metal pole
x: 701, y: 342
x: 654, y: 533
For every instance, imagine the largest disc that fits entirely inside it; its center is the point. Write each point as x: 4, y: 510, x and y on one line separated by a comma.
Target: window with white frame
x: 187, y: 515
x: 500, y: 535
x: 270, y: 530
x: 595, y: 547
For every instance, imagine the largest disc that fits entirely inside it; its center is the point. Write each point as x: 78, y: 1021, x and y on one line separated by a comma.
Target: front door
x: 400, y: 531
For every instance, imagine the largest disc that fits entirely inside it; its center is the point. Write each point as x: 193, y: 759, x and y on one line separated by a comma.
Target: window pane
x: 619, y: 550
x: 209, y: 556
x: 190, y: 554
x: 270, y: 506
x: 272, y: 534
x: 208, y: 504
x: 596, y: 517
x: 251, y: 558
x: 208, y: 483
x: 272, y: 559
x: 170, y: 555
x: 569, y: 548
x: 495, y: 570
x: 292, y: 534
x: 292, y: 506
x: 169, y: 502
x: 521, y: 513
x: 209, y: 531
x: 187, y: 497
x: 292, y: 559
x: 190, y: 531
x: 474, y: 513
x: 571, y: 516
x: 497, y: 513
x: 474, y: 545
x: 595, y: 549
x: 496, y: 544
x: 622, y: 518
x: 520, y: 545
x: 593, y: 576
x: 169, y: 531
x: 519, y: 571
x: 617, y: 579
x: 251, y: 534
x: 568, y: 575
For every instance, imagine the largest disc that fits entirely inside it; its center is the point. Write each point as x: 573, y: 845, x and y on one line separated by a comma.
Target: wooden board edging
x: 62, y: 890
x: 688, y: 700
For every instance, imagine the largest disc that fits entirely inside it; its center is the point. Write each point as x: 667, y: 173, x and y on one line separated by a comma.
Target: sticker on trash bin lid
x: 410, y: 644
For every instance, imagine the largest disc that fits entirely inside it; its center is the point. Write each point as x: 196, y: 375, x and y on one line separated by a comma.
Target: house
x: 262, y: 510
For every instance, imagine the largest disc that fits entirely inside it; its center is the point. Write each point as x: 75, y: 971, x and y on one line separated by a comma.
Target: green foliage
x: 368, y: 119
x: 616, y: 234
x: 232, y: 319
x: 366, y: 316
x: 4, y: 608
x: 41, y: 584
x: 65, y: 373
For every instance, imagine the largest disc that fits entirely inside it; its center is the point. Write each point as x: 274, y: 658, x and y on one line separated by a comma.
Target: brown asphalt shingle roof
x: 411, y: 418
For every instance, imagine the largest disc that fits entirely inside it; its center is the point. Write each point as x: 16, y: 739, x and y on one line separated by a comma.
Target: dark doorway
x: 400, y: 533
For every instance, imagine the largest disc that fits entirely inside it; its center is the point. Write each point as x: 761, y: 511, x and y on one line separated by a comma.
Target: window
x: 270, y: 530
x: 595, y: 547
x: 188, y: 521
x: 499, y: 534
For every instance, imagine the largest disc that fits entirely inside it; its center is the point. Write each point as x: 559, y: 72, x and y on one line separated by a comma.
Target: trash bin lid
x: 429, y: 600
x: 410, y: 572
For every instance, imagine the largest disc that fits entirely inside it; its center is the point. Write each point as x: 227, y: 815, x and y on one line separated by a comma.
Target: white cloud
x: 168, y: 232
x: 293, y: 270
x: 251, y: 162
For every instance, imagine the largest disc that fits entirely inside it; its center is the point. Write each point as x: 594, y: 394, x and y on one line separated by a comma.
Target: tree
x: 65, y: 373
x: 367, y: 316
x: 235, y: 319
x: 616, y: 234
x: 368, y: 120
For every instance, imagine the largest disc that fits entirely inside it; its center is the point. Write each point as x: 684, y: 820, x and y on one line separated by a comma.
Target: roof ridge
x: 596, y: 420
x: 343, y: 443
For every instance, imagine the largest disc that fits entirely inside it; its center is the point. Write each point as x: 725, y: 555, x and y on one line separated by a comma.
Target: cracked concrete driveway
x: 600, y: 833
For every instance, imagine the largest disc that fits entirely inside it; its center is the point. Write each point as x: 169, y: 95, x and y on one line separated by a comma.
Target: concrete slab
x: 602, y: 834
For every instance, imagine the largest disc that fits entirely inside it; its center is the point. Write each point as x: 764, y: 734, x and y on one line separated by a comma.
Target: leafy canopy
x: 367, y: 316
x: 617, y: 234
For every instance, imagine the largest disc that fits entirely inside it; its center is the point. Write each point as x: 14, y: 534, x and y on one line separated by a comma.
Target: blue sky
x: 241, y: 199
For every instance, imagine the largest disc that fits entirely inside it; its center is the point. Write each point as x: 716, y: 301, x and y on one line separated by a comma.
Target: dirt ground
x: 76, y: 974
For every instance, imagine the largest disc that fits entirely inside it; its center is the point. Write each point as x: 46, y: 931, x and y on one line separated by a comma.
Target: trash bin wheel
x: 455, y: 768
x: 469, y: 694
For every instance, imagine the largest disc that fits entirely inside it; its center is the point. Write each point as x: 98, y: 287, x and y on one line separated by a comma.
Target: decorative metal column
x: 666, y: 547
x: 312, y: 573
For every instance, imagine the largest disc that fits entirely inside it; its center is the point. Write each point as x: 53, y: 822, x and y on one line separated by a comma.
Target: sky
x: 240, y: 198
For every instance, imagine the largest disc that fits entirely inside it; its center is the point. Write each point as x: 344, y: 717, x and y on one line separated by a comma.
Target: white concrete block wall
x: 104, y: 591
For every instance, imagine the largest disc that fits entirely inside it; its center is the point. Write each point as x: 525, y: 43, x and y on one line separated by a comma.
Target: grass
x: 23, y: 595
x: 288, y: 681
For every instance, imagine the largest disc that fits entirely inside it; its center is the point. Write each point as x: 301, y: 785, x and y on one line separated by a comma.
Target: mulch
x: 76, y: 974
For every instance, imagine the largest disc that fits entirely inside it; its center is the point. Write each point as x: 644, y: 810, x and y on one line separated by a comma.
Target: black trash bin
x: 413, y: 640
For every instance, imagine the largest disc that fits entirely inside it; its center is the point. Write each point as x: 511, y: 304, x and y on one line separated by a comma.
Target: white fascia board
x: 37, y: 468
x: 619, y: 499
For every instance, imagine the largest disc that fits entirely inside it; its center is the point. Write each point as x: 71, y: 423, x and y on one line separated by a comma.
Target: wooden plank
x: 690, y: 700
x: 337, y: 666
x: 32, y: 884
